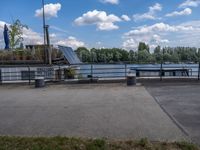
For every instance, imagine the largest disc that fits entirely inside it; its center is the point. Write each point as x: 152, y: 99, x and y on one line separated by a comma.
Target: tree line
x: 141, y: 55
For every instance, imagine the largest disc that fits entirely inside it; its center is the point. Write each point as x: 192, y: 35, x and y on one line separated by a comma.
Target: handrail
x: 28, y: 73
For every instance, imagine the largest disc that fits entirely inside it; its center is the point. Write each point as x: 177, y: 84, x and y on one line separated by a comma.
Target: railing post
x: 29, y: 75
x: 125, y: 70
x: 161, y: 71
x: 59, y: 74
x: 1, y: 76
x: 91, y: 71
x: 199, y: 72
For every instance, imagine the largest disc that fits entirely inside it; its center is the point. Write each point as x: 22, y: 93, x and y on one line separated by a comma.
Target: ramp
x: 69, y: 55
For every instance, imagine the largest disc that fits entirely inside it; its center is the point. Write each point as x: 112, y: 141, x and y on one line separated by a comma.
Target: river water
x: 120, y: 70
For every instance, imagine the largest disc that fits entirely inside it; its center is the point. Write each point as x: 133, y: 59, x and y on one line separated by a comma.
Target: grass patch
x: 64, y: 143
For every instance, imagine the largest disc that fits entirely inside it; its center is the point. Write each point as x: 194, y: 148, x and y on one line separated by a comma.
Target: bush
x: 69, y: 73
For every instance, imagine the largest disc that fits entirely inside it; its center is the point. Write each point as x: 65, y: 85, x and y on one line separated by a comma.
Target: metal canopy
x: 69, y: 55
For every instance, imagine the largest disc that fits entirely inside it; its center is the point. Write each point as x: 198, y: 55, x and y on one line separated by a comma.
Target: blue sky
x: 107, y: 23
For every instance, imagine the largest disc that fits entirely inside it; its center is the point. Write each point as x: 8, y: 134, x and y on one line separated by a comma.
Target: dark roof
x: 69, y: 55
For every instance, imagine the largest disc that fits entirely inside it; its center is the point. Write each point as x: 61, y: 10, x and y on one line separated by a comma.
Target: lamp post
x: 44, y: 31
x: 47, y: 49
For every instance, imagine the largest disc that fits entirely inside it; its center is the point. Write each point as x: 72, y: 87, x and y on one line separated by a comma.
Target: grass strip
x: 64, y: 143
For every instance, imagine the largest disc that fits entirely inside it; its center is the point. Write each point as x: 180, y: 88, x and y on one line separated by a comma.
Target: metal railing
x: 101, y: 70
x: 90, y: 71
x: 13, y: 74
x: 121, y: 70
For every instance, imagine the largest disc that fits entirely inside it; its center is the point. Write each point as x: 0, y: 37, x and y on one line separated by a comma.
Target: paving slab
x: 182, y: 103
x: 112, y: 111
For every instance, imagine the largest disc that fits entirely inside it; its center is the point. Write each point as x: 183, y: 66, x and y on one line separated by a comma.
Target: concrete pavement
x: 182, y: 103
x: 111, y: 110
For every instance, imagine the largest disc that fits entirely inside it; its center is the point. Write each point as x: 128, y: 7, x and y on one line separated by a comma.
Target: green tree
x: 16, y: 32
x: 166, y: 57
x: 152, y: 59
x: 84, y: 54
x: 132, y: 56
x: 198, y: 55
x: 167, y: 54
x: 93, y: 53
x: 143, y: 56
x: 175, y: 58
x: 117, y: 56
x: 142, y: 46
x: 158, y: 54
x: 124, y: 55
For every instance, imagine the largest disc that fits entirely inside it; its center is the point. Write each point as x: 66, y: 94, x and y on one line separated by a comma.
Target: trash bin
x: 39, y: 82
x: 131, y: 79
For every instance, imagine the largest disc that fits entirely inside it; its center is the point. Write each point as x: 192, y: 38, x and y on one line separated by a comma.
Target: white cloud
x: 185, y: 12
x: 71, y: 42
x: 2, y: 23
x: 190, y: 3
x: 156, y: 39
x: 98, y: 18
x: 52, y: 35
x: 158, y: 27
x: 130, y: 44
x: 110, y: 1
x: 107, y: 26
x: 150, y: 15
x: 32, y: 37
x: 51, y: 10
x: 98, y: 43
x: 160, y: 33
x: 125, y: 18
x: 59, y: 29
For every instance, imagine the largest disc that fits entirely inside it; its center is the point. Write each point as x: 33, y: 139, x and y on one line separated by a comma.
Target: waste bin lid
x: 131, y: 75
x: 39, y: 78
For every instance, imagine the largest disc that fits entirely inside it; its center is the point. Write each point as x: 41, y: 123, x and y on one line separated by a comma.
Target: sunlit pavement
x: 104, y: 110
